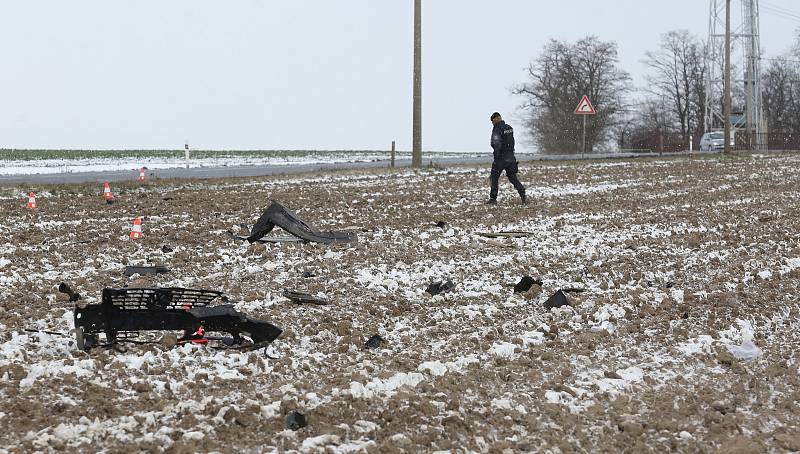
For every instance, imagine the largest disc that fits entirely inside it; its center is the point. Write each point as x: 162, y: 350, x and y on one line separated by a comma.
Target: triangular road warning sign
x: 585, y: 107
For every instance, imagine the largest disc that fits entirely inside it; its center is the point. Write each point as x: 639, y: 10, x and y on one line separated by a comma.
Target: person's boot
x: 491, y: 202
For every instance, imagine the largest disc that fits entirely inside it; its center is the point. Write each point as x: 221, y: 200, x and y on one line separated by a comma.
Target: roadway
x: 267, y: 170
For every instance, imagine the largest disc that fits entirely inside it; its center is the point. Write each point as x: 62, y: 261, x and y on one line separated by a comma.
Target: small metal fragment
x: 374, y: 342
x: 295, y: 421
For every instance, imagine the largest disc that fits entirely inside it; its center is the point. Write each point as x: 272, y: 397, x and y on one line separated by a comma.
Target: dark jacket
x: 503, y: 142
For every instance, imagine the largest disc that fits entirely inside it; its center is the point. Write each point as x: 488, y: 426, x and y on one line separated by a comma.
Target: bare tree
x: 559, y: 77
x: 678, y: 77
x: 781, y: 96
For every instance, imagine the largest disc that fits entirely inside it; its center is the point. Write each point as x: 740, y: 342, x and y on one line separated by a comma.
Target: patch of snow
x: 503, y: 349
x: 388, y: 386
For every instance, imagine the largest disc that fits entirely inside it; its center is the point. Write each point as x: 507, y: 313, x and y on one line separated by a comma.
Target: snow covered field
x: 107, y: 162
x: 685, y: 337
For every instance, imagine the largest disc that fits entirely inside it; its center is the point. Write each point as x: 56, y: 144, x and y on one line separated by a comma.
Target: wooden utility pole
x: 727, y: 113
x: 416, y: 152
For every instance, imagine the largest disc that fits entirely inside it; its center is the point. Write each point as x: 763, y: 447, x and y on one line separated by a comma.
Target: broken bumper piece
x: 278, y: 215
x: 124, y: 312
x: 303, y: 298
x: 145, y: 270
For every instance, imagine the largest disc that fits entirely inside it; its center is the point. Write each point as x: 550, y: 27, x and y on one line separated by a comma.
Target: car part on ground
x: 145, y: 270
x: 123, y: 313
x: 440, y: 287
x: 558, y: 299
x: 278, y: 215
x: 511, y: 234
x: 374, y: 341
x: 269, y: 239
x: 526, y: 283
x: 304, y: 298
x: 296, y: 421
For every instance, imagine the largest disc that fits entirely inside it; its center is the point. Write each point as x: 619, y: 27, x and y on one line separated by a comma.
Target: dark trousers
x: 511, y: 169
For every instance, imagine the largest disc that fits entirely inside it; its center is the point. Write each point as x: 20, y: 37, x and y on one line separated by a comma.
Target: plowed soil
x: 681, y: 334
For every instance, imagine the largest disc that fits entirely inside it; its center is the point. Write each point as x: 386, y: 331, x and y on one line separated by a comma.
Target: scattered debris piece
x: 269, y: 239
x: 562, y: 388
x: 612, y: 375
x: 167, y: 249
x: 526, y: 283
x: 558, y: 299
x: 573, y: 290
x: 499, y: 243
x: 374, y: 341
x: 52, y: 333
x: 126, y: 311
x: 303, y: 298
x: 66, y: 289
x: 277, y: 215
x: 145, y: 270
x: 440, y: 287
x: 511, y: 234
x: 747, y: 351
x: 308, y: 274
x: 295, y: 421
x: 441, y: 224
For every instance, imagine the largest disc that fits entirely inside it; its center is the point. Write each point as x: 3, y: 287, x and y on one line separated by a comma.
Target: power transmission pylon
x: 745, y: 35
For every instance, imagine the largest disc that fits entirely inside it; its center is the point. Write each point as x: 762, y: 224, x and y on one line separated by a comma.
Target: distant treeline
x: 663, y: 115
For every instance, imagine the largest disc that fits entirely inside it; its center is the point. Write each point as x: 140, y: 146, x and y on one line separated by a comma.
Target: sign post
x: 186, y: 152
x: 584, y: 108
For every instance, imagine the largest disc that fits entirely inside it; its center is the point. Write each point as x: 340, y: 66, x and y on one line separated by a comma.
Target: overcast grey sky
x: 301, y: 74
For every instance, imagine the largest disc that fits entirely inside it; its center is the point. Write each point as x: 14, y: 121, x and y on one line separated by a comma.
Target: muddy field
x: 683, y: 335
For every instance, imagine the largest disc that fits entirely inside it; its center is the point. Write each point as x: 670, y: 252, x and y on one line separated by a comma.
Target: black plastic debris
x: 269, y: 239
x: 64, y: 288
x: 296, y: 421
x: 145, y: 270
x: 526, y: 283
x: 303, y: 298
x: 124, y: 312
x: 278, y: 215
x: 559, y: 299
x: 441, y: 224
x: 167, y: 249
x: 308, y: 274
x: 374, y: 342
x: 440, y: 287
x: 510, y: 234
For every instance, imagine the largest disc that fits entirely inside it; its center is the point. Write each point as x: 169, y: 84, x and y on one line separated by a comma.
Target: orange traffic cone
x: 107, y: 193
x: 31, y: 201
x: 136, y: 231
x: 141, y: 174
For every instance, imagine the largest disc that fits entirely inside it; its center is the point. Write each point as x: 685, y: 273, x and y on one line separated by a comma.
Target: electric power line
x: 781, y: 12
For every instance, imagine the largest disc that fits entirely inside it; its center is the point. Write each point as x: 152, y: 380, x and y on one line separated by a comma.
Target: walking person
x: 503, y: 150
